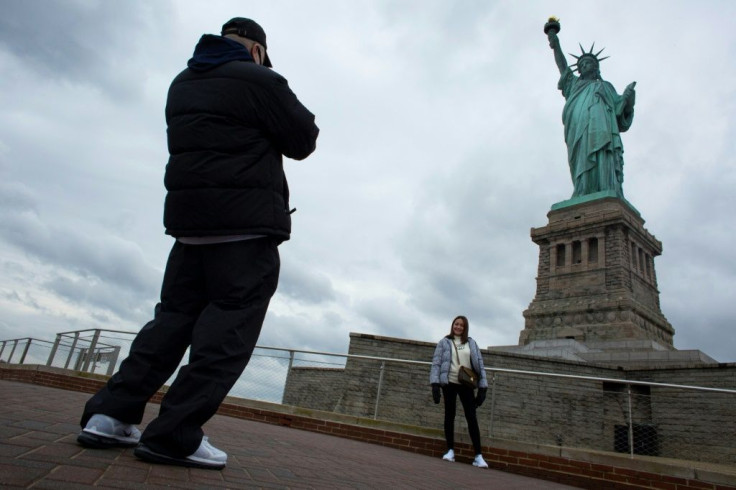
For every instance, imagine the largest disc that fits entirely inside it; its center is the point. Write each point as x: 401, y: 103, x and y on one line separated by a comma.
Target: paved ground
x: 38, y: 449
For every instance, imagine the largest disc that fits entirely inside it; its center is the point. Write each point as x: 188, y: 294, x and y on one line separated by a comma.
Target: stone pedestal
x: 596, y: 280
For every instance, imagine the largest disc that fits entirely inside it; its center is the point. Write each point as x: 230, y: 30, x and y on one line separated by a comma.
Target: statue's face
x: 588, y: 67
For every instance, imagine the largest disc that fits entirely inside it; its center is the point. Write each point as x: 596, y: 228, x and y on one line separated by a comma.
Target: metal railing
x: 24, y: 351
x: 635, y: 427
x: 638, y: 418
x: 86, y: 350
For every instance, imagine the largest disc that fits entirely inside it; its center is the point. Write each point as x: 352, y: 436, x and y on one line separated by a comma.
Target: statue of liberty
x: 594, y: 116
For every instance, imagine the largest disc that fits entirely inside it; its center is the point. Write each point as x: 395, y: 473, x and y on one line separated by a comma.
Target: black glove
x: 480, y: 397
x: 436, y: 392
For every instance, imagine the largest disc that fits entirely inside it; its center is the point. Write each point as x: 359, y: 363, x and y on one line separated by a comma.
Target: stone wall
x: 316, y: 388
x: 689, y: 419
x: 596, y: 279
x: 548, y: 410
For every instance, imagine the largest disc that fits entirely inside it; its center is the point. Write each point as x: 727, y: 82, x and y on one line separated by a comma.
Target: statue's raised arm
x: 594, y: 116
x: 551, y: 28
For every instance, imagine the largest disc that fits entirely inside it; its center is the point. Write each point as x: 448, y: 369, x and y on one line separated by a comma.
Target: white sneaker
x: 209, y: 455
x: 480, y: 462
x: 103, y: 431
x: 206, y: 456
x: 449, y: 455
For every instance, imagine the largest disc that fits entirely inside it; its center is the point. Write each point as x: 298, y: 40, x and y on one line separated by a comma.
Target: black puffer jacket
x: 229, y: 123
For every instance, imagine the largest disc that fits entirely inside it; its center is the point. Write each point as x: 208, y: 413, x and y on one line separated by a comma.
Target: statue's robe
x: 594, y: 117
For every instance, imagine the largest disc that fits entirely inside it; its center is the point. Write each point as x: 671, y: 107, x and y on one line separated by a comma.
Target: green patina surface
x: 594, y: 117
x: 592, y: 197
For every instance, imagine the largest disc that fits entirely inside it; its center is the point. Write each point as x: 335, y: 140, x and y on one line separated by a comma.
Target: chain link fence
x: 266, y: 377
x: 102, y: 351
x: 632, y: 417
x: 636, y: 418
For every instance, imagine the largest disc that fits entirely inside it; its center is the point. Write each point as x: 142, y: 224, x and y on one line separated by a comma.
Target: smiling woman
x: 455, y: 353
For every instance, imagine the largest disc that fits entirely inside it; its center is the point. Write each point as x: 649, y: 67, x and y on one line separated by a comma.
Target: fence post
x: 25, y: 351
x: 12, y: 351
x: 2, y: 348
x: 91, y: 350
x: 113, y: 360
x: 493, y: 402
x: 71, y: 350
x: 291, y: 363
x: 378, y: 394
x: 288, y: 373
x: 631, y: 423
x: 52, y: 354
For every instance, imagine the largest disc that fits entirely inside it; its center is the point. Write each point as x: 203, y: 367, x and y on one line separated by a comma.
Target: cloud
x: 81, y: 41
x: 106, y: 258
x: 441, y: 146
x: 324, y: 331
x: 17, y: 197
x: 65, y: 265
x: 305, y: 283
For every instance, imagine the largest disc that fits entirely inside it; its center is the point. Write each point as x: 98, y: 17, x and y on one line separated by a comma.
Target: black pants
x: 214, y: 300
x: 450, y: 393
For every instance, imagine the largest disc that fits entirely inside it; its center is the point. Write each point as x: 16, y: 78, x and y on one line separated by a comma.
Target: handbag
x: 465, y: 376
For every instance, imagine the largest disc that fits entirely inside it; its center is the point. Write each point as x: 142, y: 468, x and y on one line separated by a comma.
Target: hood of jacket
x: 212, y: 51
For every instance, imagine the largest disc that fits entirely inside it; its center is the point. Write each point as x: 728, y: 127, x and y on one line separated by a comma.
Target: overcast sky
x: 441, y: 146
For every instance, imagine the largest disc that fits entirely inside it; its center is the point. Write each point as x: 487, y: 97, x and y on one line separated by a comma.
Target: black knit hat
x: 249, y: 29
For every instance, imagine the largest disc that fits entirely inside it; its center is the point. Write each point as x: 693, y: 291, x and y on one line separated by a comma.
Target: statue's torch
x: 552, y: 25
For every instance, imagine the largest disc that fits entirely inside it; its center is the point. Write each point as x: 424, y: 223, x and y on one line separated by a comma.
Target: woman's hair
x: 464, y: 336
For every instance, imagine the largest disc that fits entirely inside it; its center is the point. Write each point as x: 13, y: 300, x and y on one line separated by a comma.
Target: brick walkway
x: 38, y: 449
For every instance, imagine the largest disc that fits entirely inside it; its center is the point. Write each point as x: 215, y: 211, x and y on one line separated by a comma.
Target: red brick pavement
x: 38, y: 449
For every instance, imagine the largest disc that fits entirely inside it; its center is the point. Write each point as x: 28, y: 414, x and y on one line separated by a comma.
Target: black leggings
x: 467, y: 398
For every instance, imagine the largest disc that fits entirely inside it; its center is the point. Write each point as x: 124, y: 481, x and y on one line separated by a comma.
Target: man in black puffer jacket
x: 230, y: 120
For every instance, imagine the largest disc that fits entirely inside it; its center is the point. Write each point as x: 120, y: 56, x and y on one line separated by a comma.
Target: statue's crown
x: 588, y: 54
